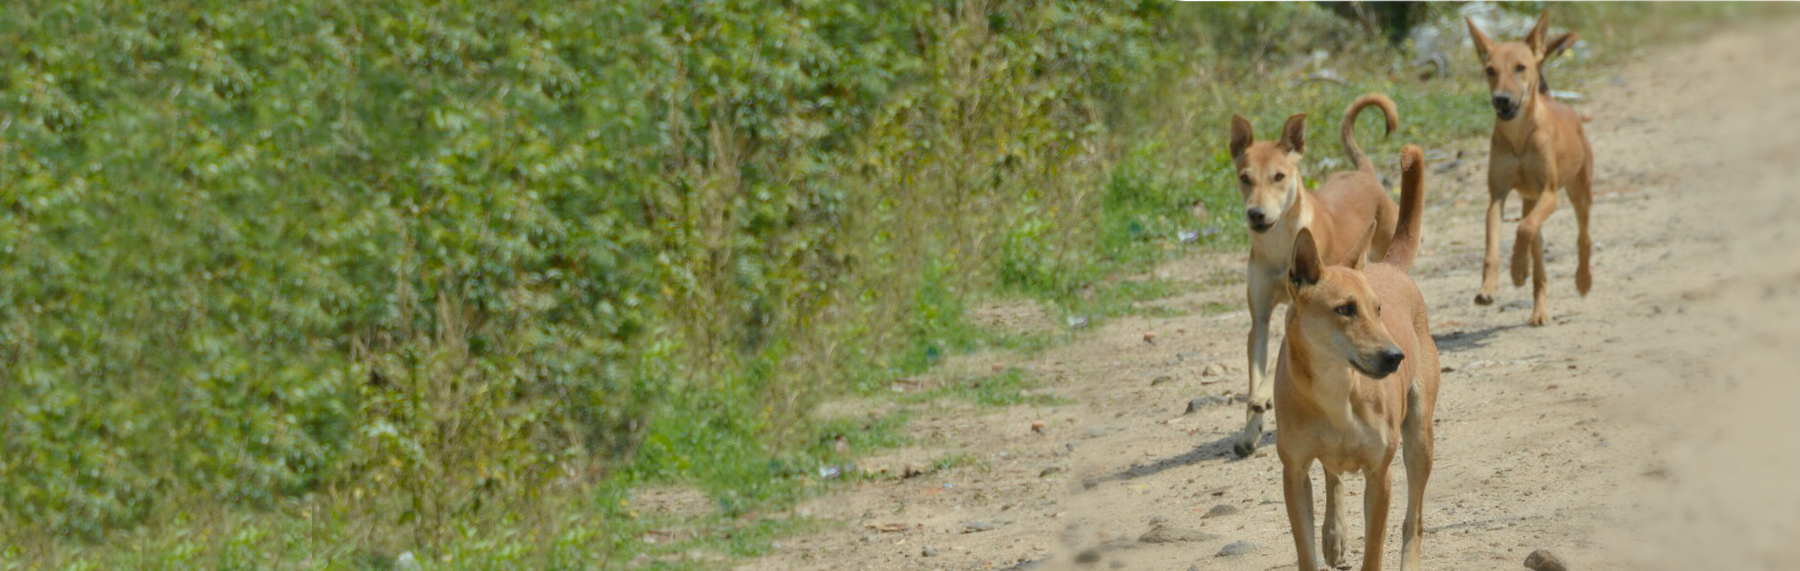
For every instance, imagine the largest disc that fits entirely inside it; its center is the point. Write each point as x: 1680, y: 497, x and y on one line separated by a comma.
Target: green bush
x: 444, y: 254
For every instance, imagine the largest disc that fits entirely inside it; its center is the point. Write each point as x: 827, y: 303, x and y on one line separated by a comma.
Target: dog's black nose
x: 1502, y: 101
x: 1256, y: 216
x: 1390, y: 359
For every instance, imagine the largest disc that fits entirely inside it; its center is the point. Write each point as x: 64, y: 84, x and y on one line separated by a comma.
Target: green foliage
x: 447, y: 256
x: 254, y: 251
x: 937, y: 328
x: 1260, y: 32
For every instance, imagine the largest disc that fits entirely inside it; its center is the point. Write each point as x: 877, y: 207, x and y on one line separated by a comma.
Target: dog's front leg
x: 1261, y: 392
x: 1490, y: 265
x: 1296, y: 490
x: 1377, y: 485
x: 1530, y: 246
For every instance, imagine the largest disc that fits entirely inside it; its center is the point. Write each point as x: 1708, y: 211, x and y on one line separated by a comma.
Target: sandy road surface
x: 1654, y: 425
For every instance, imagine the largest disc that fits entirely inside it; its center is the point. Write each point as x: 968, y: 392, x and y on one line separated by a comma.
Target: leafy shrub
x: 449, y: 255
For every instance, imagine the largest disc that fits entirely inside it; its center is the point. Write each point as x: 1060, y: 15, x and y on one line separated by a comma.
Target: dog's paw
x: 1584, y: 280
x: 1253, y: 431
x: 1540, y: 318
x: 1334, y: 548
x: 1243, y: 448
x: 1484, y: 299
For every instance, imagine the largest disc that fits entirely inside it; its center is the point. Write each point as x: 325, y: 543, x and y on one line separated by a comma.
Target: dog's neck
x: 1517, y: 131
x: 1324, y: 384
x: 1275, y: 246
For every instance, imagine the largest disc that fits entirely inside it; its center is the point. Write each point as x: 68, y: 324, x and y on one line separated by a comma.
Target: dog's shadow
x: 1459, y: 341
x: 1220, y: 448
x: 1451, y: 342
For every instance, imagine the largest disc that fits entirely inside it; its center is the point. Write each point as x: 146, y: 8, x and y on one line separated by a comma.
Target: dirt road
x: 1650, y: 426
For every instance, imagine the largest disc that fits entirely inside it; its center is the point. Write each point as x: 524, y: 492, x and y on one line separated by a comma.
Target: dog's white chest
x: 1351, y: 451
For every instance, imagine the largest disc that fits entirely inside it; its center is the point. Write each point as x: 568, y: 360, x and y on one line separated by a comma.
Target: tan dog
x: 1277, y: 206
x: 1358, y: 377
x: 1538, y: 147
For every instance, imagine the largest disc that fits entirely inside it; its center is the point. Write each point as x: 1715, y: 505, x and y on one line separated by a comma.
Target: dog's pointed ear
x: 1241, y: 136
x: 1293, y: 134
x: 1306, y: 266
x: 1535, y: 39
x: 1556, y: 46
x: 1360, y: 255
x: 1482, y: 43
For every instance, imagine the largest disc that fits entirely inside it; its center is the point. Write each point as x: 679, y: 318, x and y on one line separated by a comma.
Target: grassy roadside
x: 1120, y: 217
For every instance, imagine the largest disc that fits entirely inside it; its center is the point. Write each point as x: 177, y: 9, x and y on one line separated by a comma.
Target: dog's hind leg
x: 1581, y: 196
x: 1531, y: 243
x: 1416, y: 432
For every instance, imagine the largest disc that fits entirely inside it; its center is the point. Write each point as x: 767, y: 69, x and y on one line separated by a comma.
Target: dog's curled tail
x: 1407, y: 235
x: 1357, y: 158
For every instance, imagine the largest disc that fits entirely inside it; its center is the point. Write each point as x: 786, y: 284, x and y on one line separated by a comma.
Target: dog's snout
x: 1390, y: 359
x: 1505, y: 106
x: 1257, y: 218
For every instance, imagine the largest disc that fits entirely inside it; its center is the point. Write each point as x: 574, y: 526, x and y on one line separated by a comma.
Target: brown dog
x: 1277, y: 206
x: 1358, y: 377
x: 1538, y: 147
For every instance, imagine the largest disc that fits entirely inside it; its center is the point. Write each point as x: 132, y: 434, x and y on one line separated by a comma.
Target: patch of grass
x: 1212, y: 308
x: 864, y: 434
x: 1136, y: 227
x: 1027, y: 344
x: 1005, y: 388
x: 957, y: 460
x: 1122, y: 298
x: 687, y: 545
x: 939, y: 326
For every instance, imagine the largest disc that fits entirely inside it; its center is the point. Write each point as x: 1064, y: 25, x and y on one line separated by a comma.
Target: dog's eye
x: 1279, y: 176
x: 1244, y: 178
x: 1346, y: 310
x: 1519, y: 69
x: 1491, y: 72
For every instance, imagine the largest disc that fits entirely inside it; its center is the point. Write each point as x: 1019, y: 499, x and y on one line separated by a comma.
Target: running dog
x: 1537, y: 148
